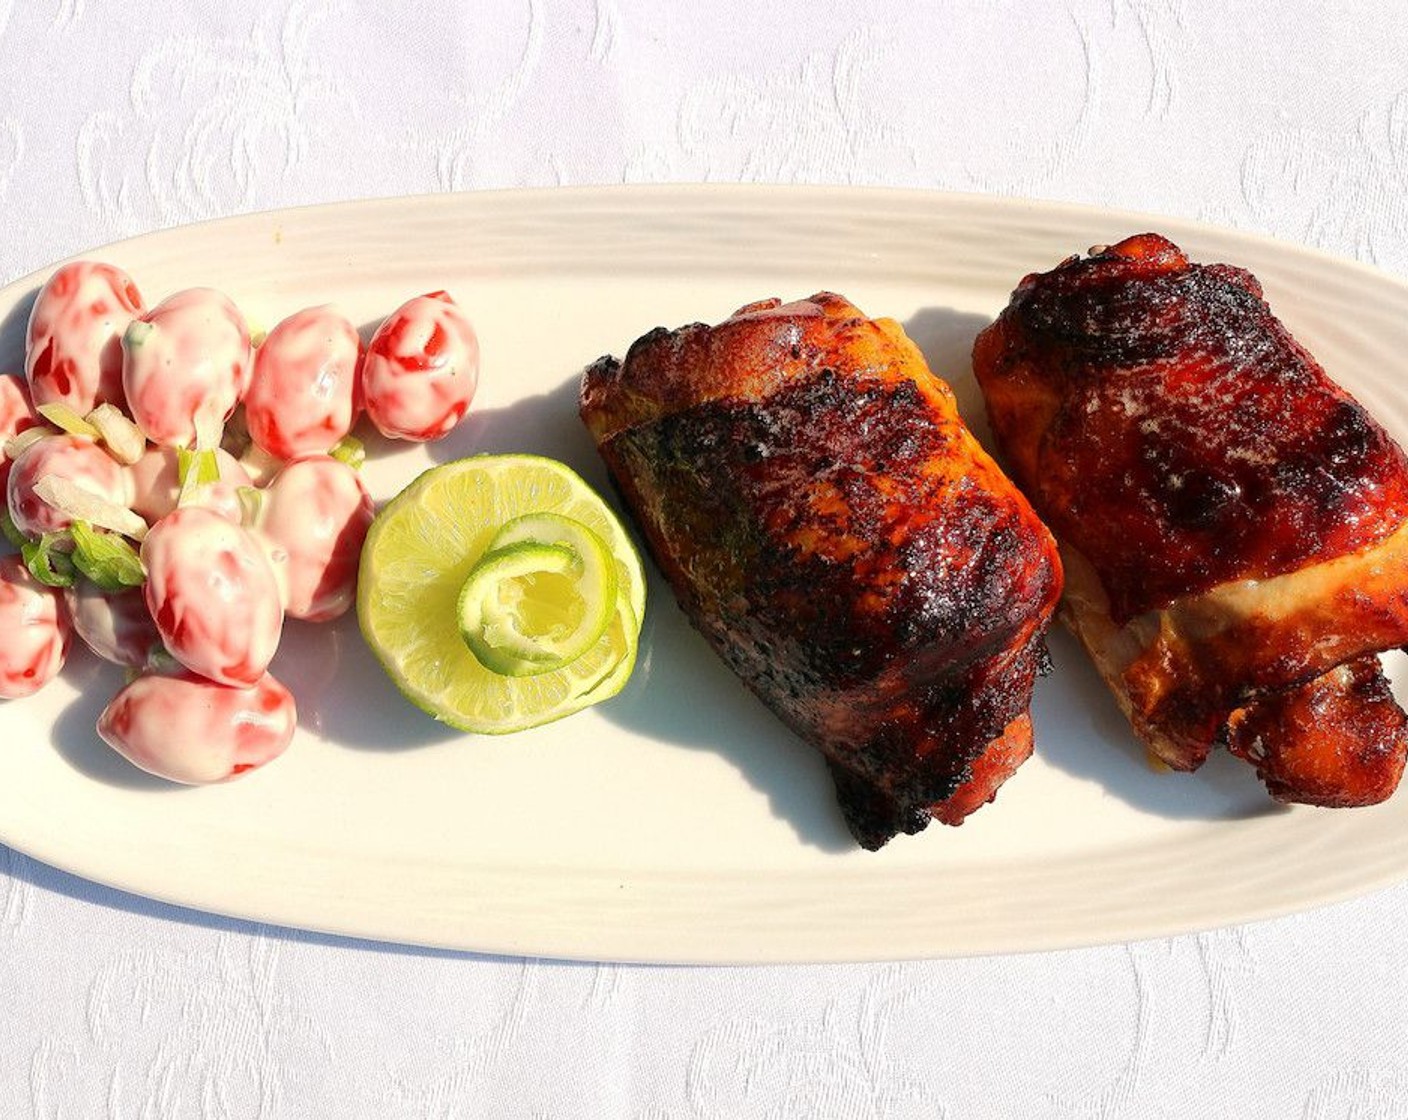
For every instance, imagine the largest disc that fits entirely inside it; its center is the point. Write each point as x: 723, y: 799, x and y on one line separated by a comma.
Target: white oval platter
x: 679, y: 822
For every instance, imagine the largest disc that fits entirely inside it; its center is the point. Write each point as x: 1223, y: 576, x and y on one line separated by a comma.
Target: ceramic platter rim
x: 1030, y: 872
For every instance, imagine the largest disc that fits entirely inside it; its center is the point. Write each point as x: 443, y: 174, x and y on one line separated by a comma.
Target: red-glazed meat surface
x: 1179, y: 419
x: 1234, y: 523
x: 829, y: 523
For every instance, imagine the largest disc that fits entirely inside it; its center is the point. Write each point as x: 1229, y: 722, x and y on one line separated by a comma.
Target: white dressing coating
x: 313, y: 519
x: 421, y: 369
x: 16, y: 415
x: 73, y: 351
x: 34, y: 631
x: 186, y: 364
x: 190, y: 730
x: 79, y: 461
x: 213, y: 595
x: 304, y: 395
x: 115, y: 625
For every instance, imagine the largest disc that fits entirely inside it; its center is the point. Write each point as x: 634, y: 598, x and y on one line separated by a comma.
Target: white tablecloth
x: 1288, y: 118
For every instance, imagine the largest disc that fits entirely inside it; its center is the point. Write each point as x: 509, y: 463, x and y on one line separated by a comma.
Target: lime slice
x: 616, y: 677
x: 531, y: 607
x: 516, y: 609
x: 540, y: 597
x: 604, y: 678
x: 420, y: 553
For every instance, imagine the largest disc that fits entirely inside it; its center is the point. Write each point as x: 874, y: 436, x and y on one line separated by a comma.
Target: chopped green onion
x: 251, y: 505
x: 204, y: 463
x: 80, y: 504
x: 137, y: 332
x: 160, y: 661
x: 209, y: 424
x: 123, y: 438
x: 8, y: 527
x: 17, y: 445
x: 48, y: 563
x: 106, y: 559
x: 195, y: 469
x: 66, y: 419
x: 349, y: 450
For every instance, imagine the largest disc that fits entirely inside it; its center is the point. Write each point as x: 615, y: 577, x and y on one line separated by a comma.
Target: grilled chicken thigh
x: 830, y: 525
x: 1232, y: 521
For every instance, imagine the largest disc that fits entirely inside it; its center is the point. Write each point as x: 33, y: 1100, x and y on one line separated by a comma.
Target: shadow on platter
x: 12, y: 331
x: 546, y: 424
x: 342, y: 693
x: 945, y: 338
x: 75, y: 732
x: 680, y: 693
x: 363, y: 710
x: 1080, y: 729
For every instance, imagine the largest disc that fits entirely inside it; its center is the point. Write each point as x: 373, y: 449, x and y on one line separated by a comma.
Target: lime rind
x: 598, y: 578
x: 502, y: 619
x: 418, y: 555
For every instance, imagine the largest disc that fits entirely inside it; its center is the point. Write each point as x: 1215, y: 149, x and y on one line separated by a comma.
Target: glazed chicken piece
x: 833, y: 529
x: 1232, y: 522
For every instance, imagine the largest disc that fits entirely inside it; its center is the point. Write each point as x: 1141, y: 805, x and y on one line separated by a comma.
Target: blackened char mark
x: 1194, y: 440
x: 1338, y: 741
x: 866, y: 597
x: 874, y: 816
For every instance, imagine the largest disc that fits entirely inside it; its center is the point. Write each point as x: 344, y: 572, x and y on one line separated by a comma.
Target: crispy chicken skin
x: 1232, y: 521
x: 832, y: 528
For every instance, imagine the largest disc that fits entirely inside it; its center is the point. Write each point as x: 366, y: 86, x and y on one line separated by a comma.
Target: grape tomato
x: 73, y: 351
x: 186, y: 364
x: 34, y: 631
x: 117, y: 626
x: 16, y: 415
x: 213, y: 595
x: 421, y: 369
x: 73, y: 458
x: 315, y: 516
x: 190, y: 730
x: 304, y: 395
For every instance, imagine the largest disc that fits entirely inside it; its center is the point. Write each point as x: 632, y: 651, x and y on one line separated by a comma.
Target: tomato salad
x: 176, y: 491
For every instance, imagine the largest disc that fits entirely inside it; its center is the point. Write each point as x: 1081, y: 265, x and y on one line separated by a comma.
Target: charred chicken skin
x: 833, y: 529
x: 1232, y: 521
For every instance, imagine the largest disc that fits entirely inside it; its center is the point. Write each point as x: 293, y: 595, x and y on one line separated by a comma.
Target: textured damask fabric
x: 1287, y: 118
